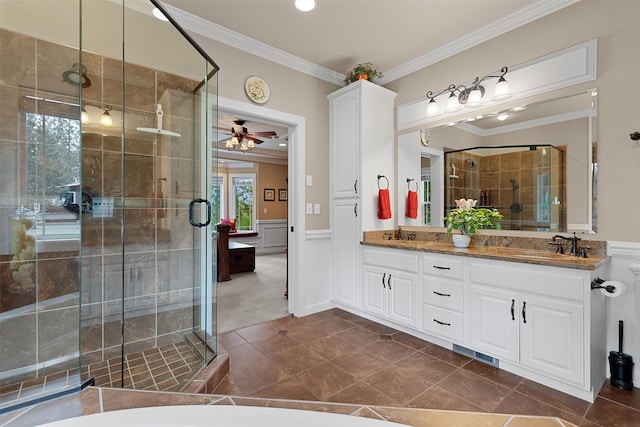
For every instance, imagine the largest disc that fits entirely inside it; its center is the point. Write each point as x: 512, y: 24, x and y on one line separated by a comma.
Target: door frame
x: 295, y: 207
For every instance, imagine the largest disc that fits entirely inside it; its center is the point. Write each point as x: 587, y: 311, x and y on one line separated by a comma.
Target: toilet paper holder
x: 597, y: 284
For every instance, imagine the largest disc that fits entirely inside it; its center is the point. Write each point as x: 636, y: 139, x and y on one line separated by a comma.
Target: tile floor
x: 335, y: 356
x: 168, y: 368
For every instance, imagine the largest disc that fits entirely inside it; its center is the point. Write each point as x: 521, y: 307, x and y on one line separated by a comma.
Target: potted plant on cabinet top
x: 362, y: 72
x: 467, y: 219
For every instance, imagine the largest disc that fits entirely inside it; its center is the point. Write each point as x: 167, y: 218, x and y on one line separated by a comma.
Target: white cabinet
x: 390, y: 285
x: 443, y: 297
x: 361, y: 148
x: 532, y: 316
x: 346, y: 252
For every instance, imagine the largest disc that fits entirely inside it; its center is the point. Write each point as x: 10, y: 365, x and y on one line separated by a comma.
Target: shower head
x: 474, y: 163
x: 158, y: 130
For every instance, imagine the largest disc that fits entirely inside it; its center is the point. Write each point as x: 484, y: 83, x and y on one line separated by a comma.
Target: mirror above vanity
x: 531, y: 156
x: 535, y: 163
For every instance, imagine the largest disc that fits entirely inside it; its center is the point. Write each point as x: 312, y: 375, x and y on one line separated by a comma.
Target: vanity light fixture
x: 470, y: 96
x: 105, y: 119
x: 305, y: 5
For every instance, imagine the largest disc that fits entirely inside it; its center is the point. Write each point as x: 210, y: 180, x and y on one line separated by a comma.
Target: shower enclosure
x: 526, y: 183
x: 107, y: 267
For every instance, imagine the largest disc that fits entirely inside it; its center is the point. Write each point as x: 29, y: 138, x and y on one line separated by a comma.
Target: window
x: 242, y: 201
x: 426, y: 191
x: 217, y: 198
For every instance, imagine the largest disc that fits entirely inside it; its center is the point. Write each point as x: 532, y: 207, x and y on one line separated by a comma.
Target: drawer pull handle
x: 441, y: 294
x: 441, y: 268
x: 383, y: 277
x: 389, y: 281
x: 513, y: 312
x: 441, y: 323
x: 355, y: 210
x: 524, y: 312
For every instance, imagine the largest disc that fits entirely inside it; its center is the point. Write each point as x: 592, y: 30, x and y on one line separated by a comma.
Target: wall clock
x: 257, y: 89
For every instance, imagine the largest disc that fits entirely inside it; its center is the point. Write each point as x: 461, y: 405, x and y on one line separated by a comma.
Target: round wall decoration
x: 257, y: 89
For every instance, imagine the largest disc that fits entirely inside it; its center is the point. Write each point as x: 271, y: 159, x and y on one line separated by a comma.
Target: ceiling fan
x: 244, y: 140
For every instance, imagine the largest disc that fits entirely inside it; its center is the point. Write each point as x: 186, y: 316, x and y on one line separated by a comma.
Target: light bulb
x: 501, y: 90
x: 432, y: 108
x: 305, y: 5
x: 475, y: 99
x: 84, y: 116
x: 105, y: 119
x: 453, y: 104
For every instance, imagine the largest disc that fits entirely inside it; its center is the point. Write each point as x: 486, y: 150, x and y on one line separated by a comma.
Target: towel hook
x: 379, y: 178
x: 409, y: 184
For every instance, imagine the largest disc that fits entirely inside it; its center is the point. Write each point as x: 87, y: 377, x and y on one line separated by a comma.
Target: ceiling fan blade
x: 266, y: 133
x: 257, y: 141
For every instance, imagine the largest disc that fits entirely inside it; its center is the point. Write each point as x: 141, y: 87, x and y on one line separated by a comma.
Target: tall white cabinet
x: 361, y: 148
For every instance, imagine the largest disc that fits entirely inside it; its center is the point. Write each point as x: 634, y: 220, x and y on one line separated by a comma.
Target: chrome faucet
x: 574, y: 243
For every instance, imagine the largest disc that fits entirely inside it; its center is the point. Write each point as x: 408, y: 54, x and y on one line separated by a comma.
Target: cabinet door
x: 551, y: 334
x: 374, y: 281
x: 493, y: 318
x: 346, y: 252
x: 402, y: 290
x: 345, y: 144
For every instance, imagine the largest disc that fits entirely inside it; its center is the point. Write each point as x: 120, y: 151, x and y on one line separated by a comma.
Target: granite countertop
x: 522, y: 255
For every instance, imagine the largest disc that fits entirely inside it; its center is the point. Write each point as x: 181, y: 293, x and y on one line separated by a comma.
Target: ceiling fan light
x: 432, y: 108
x: 305, y: 5
x: 228, y: 144
x: 475, y: 99
x: 250, y: 143
x: 501, y: 90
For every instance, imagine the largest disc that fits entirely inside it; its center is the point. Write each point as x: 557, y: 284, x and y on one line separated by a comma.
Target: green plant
x: 466, y: 218
x: 360, y: 70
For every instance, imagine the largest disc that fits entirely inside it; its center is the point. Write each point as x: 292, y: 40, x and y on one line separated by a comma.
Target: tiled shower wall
x: 492, y: 176
x: 139, y: 259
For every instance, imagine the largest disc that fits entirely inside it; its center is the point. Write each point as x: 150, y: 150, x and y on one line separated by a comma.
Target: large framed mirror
x: 535, y: 162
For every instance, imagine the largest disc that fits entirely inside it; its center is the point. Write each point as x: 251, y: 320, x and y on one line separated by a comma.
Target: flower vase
x: 461, y: 240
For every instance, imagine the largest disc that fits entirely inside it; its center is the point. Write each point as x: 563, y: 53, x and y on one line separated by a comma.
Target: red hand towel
x: 384, y: 204
x: 412, y: 204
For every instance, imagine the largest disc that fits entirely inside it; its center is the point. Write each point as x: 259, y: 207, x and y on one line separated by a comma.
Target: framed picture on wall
x: 282, y: 194
x: 269, y: 194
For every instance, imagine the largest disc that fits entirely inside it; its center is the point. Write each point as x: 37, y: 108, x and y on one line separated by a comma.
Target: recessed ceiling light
x: 520, y: 108
x: 305, y: 5
x: 283, y: 144
x: 502, y: 117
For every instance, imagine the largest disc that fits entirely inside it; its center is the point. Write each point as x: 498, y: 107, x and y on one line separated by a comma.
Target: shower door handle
x: 191, y: 205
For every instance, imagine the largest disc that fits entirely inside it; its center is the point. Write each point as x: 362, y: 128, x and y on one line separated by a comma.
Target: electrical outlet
x: 265, y: 210
x: 309, y: 209
x: 316, y: 208
x: 309, y: 180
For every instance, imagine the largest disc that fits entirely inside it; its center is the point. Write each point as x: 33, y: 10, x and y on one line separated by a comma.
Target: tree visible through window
x: 243, y: 201
x: 217, y: 198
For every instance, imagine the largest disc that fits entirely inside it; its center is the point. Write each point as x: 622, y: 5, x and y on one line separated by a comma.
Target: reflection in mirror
x: 525, y: 184
x: 564, y: 126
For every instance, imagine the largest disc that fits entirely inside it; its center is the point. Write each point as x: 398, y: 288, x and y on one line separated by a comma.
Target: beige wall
x: 271, y: 176
x: 614, y: 24
x: 291, y: 92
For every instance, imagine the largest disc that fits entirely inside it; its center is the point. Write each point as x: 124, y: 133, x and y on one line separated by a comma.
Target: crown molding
x: 517, y: 19
x: 226, y: 36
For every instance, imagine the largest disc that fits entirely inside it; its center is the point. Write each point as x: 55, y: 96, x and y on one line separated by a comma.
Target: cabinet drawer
x: 391, y: 258
x: 443, y: 267
x: 442, y: 322
x: 553, y: 284
x: 441, y: 293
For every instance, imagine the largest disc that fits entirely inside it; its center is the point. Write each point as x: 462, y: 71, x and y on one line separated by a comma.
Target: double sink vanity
x: 504, y: 299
